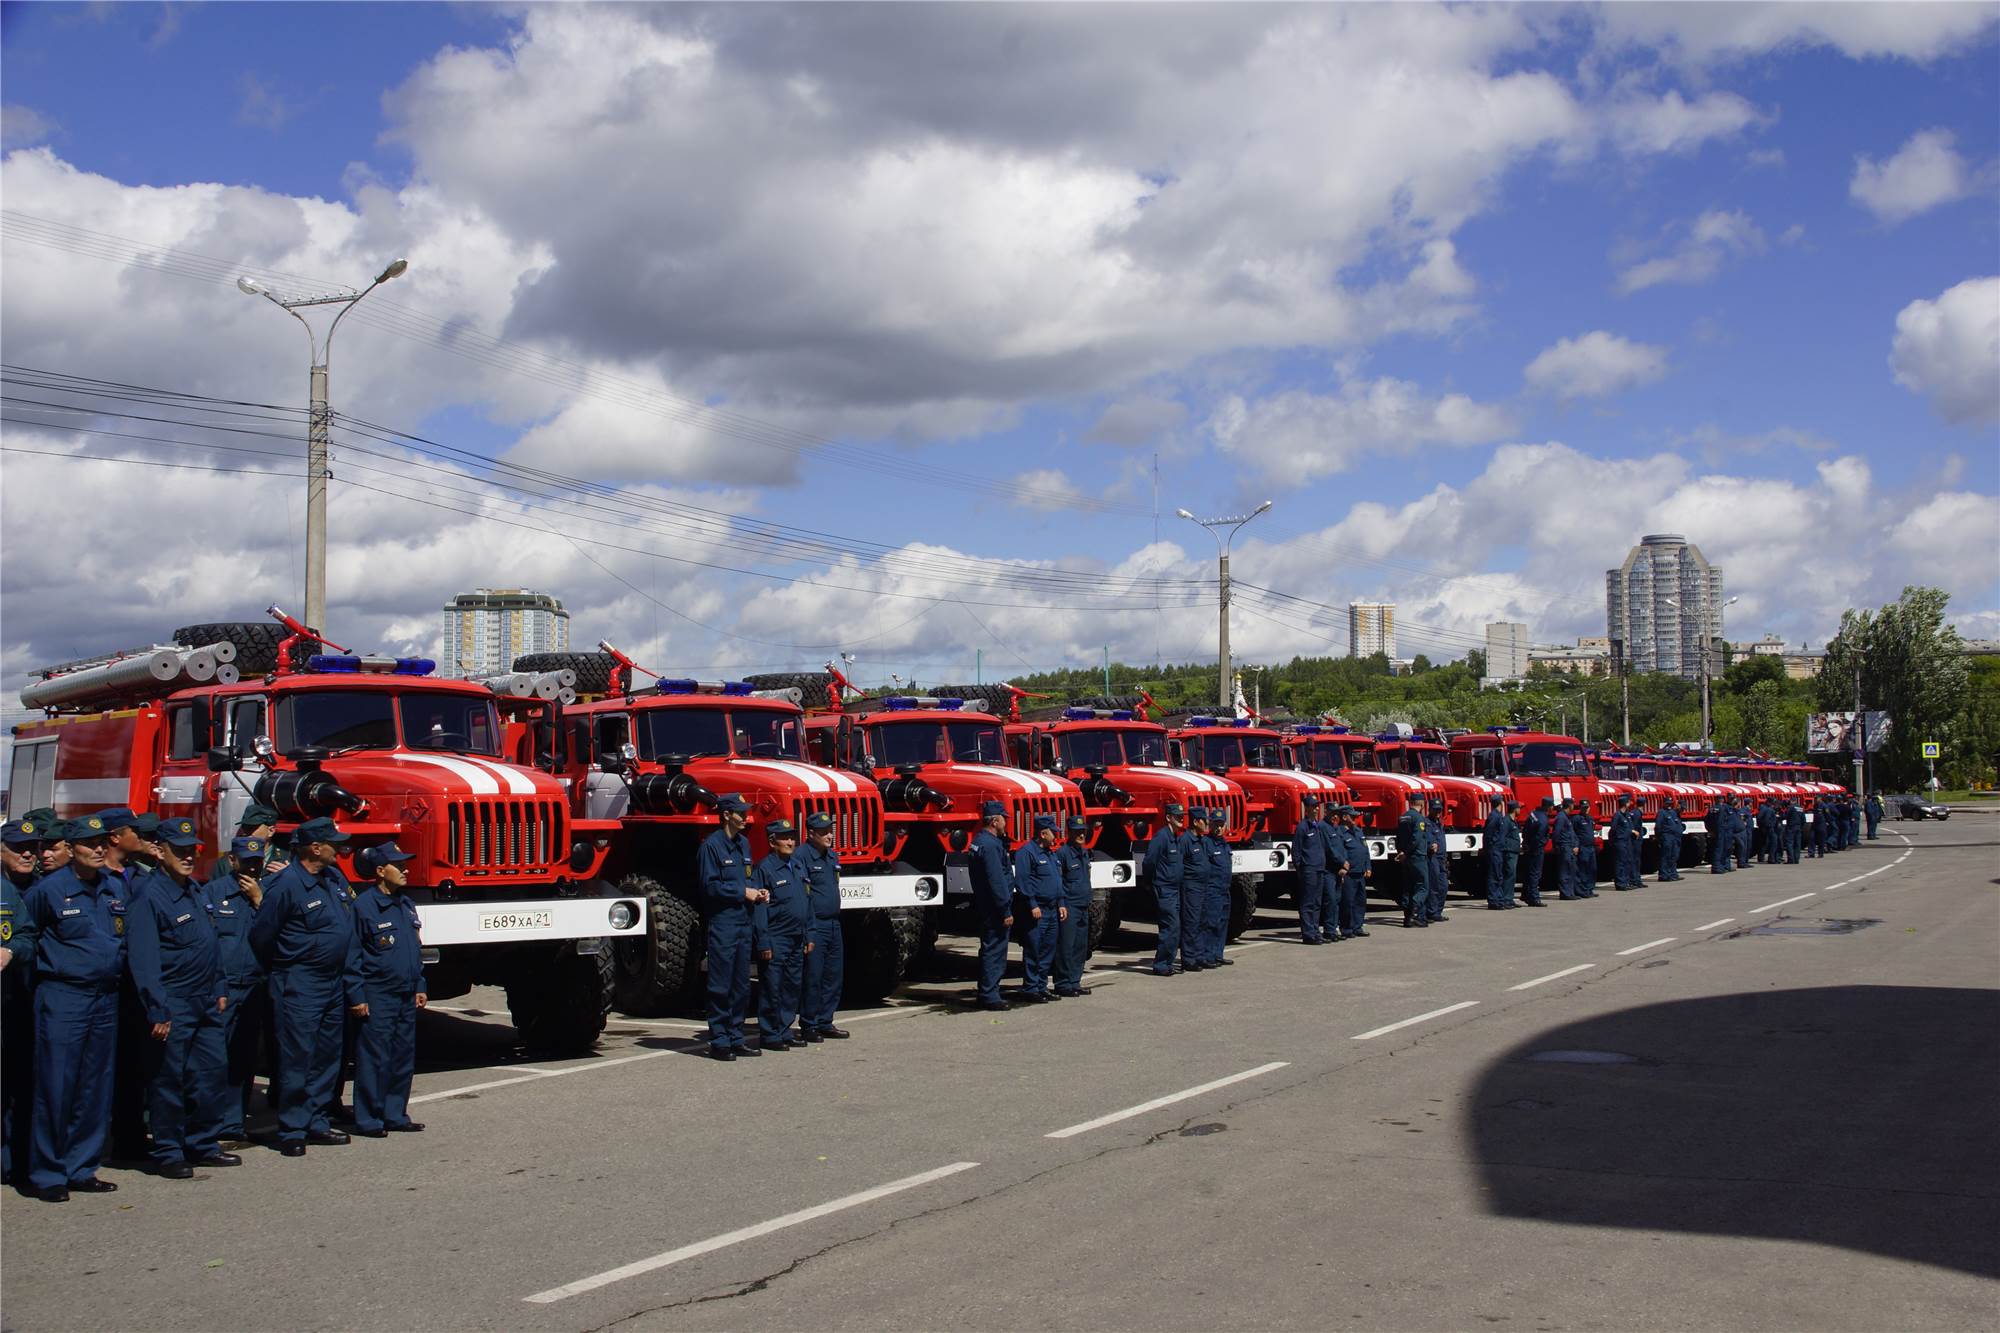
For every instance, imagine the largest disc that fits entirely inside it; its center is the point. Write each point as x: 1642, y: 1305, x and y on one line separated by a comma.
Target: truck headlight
x: 622, y: 916
x: 927, y: 888
x: 1278, y: 857
x: 1122, y: 873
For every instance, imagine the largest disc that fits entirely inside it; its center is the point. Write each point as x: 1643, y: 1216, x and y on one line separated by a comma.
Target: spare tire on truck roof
x: 593, y: 670
x: 256, y: 643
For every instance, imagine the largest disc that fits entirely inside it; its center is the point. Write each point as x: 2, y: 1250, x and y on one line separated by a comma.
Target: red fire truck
x: 1381, y: 796
x: 1468, y: 798
x: 651, y: 763
x: 1532, y: 764
x: 506, y: 881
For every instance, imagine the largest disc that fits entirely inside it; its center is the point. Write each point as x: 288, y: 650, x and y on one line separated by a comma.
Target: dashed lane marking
x: 1553, y: 976
x: 1797, y: 898
x: 536, y: 1076
x: 741, y: 1234
x: 1073, y: 1130
x: 1650, y: 944
x: 1713, y: 924
x: 1373, y: 1033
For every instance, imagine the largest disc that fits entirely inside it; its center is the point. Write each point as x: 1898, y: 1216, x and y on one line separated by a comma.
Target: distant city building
x: 1576, y: 660
x: 484, y: 631
x: 1661, y: 606
x: 1803, y: 664
x: 1979, y: 647
x: 1506, y: 652
x: 1371, y: 629
x: 1768, y: 646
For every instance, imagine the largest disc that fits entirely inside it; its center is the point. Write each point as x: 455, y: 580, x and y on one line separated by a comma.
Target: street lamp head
x: 395, y: 270
x: 250, y: 287
x: 1260, y: 509
x: 1182, y: 513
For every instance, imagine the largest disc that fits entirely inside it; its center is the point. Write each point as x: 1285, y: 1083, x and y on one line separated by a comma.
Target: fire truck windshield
x: 765, y: 733
x: 455, y: 722
x: 1548, y: 759
x: 1430, y: 763
x: 922, y: 741
x: 335, y: 720
x: 693, y: 732
x: 1333, y: 757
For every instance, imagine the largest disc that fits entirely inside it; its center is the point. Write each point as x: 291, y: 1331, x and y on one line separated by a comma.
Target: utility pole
x: 1224, y: 699
x: 318, y: 419
x: 1586, y: 712
x: 1625, y: 704
x: 1107, y: 670
x: 1860, y: 736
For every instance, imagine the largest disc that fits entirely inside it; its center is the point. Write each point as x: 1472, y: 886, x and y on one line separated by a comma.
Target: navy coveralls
x: 1073, y: 932
x: 826, y: 964
x: 1215, y: 904
x: 1040, y: 881
x: 1167, y: 865
x: 1874, y: 814
x: 1353, y: 918
x: 1586, y: 854
x: 17, y: 1041
x: 1628, y: 826
x: 1534, y: 848
x: 176, y: 963
x: 1194, y: 900
x: 249, y: 1010
x: 780, y: 926
x: 1568, y: 869
x: 79, y: 957
x: 1413, y: 845
x: 386, y: 974
x: 1309, y: 862
x: 1671, y: 827
x: 1717, y: 824
x: 1503, y: 854
x: 723, y: 863
x: 304, y: 936
x: 993, y: 898
x: 1440, y: 868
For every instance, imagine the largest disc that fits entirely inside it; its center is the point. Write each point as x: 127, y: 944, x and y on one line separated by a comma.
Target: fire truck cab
x: 1532, y: 764
x: 1381, y: 796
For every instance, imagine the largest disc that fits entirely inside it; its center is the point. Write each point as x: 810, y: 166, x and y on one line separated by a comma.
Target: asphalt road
x: 1764, y: 1101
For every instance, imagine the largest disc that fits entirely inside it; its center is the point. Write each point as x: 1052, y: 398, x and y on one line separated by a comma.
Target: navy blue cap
x: 732, y: 803
x: 991, y: 809
x: 1513, y: 802
x: 1078, y: 824
x: 780, y: 828
x: 1624, y: 798
x: 819, y: 821
x: 1198, y: 812
x: 1416, y: 798
x: 20, y: 832
x: 371, y: 859
x: 1309, y: 799
x: 1044, y: 822
x: 177, y: 833
x: 256, y: 816
x: 86, y: 826
x: 317, y: 830
x: 248, y: 849
x: 1175, y: 809
x: 115, y: 817
x: 1546, y: 802
x: 147, y: 823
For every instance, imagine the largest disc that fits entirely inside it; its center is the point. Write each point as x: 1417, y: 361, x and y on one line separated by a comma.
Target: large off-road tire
x: 815, y: 687
x: 992, y: 698
x: 1101, y: 928
x: 1242, y: 903
x: 659, y: 972
x: 593, y: 670
x: 882, y: 946
x: 558, y: 1005
x: 256, y: 642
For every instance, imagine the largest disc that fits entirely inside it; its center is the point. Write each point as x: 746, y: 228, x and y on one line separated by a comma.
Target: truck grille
x: 1237, y: 813
x: 1025, y: 808
x: 504, y: 835
x: 857, y: 821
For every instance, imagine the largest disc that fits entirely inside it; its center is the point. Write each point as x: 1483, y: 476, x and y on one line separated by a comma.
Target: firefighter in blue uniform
x: 1215, y: 910
x: 78, y: 916
x: 1353, y: 879
x: 819, y: 868
x: 125, y: 861
x: 1332, y: 904
x: 1853, y: 821
x: 779, y: 936
x: 1534, y: 852
x: 1874, y: 811
x: 1413, y: 845
x: 1438, y: 864
x: 1166, y: 865
x: 1792, y: 823
x: 304, y: 937
x: 1671, y: 829
x: 1716, y: 824
x: 1073, y: 918
x: 1194, y: 891
x: 723, y: 864
x: 1627, y: 828
x: 1770, y: 850
x: 993, y: 898
x: 1746, y: 824
x: 1586, y: 850
x: 1569, y: 872
x: 387, y: 973
x: 1502, y: 836
x: 21, y: 840
x: 1039, y: 882
x: 176, y: 963
x: 1309, y: 864
x: 233, y: 895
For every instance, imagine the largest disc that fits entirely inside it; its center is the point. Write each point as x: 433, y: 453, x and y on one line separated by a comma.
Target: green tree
x: 1911, y: 664
x: 1746, y: 673
x: 1764, y: 717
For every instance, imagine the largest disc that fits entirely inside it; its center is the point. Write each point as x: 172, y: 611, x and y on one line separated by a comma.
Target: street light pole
x: 1707, y: 646
x: 318, y: 419
x: 1224, y: 697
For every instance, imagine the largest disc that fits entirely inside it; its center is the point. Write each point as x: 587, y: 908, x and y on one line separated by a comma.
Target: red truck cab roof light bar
x: 730, y: 687
x: 903, y: 703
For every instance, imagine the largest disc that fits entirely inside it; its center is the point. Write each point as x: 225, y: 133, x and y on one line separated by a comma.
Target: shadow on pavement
x: 1866, y: 1117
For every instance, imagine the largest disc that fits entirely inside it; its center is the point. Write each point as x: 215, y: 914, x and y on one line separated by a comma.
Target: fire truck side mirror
x: 222, y: 760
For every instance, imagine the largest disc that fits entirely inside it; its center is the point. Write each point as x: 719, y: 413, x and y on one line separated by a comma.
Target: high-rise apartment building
x: 1506, y: 652
x: 1661, y: 605
x: 484, y: 631
x: 1371, y: 629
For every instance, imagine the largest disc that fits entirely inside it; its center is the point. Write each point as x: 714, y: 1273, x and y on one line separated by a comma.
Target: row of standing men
x: 137, y: 994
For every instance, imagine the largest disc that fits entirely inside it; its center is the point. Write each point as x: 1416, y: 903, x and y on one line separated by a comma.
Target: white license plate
x: 540, y: 920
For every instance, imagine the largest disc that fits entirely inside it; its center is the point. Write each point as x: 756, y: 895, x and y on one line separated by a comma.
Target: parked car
x: 1917, y: 807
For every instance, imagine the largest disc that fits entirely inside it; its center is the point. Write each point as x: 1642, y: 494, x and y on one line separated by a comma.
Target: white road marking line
x: 535, y: 1077
x: 1651, y: 944
x: 1553, y: 976
x: 891, y: 1013
x: 1782, y: 901
x: 1158, y: 1102
x: 741, y: 1234
x: 1373, y: 1033
x: 1713, y: 924
x: 1239, y: 948
x: 619, y: 1019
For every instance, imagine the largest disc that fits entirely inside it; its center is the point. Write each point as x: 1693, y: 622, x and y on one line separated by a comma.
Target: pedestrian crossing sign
x: 1932, y: 750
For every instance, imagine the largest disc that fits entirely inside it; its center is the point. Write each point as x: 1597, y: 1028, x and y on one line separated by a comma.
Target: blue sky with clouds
x: 1477, y: 296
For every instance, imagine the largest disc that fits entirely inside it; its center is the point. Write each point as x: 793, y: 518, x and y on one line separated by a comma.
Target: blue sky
x: 1576, y: 275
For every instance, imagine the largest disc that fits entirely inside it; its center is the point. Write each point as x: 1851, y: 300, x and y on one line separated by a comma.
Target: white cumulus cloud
x: 1924, y: 173
x: 1948, y: 349
x: 1697, y: 252
x: 1301, y: 436
x: 1595, y: 365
